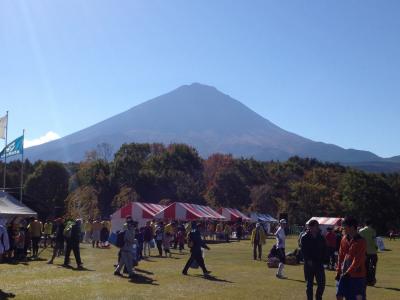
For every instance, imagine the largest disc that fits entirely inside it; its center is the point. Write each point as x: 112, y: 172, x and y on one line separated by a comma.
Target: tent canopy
x: 140, y: 212
x: 329, y: 222
x: 265, y: 218
x: 188, y: 212
x: 11, y: 208
x: 233, y: 214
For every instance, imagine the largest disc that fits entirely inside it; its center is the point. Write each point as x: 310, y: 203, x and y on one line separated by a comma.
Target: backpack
x: 120, y: 239
x: 68, y: 230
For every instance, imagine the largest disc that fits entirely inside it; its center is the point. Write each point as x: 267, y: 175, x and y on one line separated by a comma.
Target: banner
x: 13, y: 148
x: 3, y: 125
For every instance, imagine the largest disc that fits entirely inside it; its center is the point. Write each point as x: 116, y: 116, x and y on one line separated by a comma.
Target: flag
x: 3, y: 125
x: 13, y: 148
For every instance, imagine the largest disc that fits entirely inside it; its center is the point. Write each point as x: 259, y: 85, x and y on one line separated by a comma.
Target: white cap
x: 282, y: 221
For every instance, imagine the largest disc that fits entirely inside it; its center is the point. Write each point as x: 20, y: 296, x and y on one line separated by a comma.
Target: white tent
x: 326, y: 222
x: 11, y: 208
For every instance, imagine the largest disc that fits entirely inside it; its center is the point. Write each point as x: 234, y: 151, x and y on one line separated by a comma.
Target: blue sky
x: 327, y: 70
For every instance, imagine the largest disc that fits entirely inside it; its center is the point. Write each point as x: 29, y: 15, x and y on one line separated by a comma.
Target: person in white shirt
x: 280, y: 246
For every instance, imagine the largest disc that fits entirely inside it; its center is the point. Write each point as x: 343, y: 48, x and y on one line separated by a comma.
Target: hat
x: 282, y: 221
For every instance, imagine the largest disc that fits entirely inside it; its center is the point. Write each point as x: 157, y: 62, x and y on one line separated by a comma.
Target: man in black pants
x: 195, y: 244
x: 73, y: 244
x: 313, y: 246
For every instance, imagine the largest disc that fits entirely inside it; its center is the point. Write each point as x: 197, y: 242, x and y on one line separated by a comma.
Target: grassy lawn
x: 237, y: 276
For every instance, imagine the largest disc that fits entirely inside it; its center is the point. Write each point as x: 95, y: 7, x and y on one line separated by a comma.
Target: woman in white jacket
x: 4, y: 241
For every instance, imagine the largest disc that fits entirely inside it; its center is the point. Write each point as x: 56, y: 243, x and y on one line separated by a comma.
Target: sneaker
x: 280, y: 276
x: 117, y: 274
x: 184, y: 273
x: 80, y: 267
x: 207, y: 273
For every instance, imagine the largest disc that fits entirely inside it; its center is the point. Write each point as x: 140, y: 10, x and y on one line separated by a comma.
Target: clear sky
x: 327, y: 70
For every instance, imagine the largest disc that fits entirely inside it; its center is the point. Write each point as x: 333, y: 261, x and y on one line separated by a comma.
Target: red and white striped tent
x: 325, y: 222
x: 140, y: 212
x: 188, y: 212
x: 233, y: 214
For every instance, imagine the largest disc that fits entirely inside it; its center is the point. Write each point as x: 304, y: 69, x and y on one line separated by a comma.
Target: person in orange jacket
x: 351, y: 270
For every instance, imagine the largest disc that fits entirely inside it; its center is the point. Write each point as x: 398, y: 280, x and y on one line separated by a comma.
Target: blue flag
x: 13, y: 148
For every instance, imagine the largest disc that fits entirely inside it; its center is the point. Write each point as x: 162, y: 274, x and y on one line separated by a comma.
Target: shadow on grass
x: 303, y: 281
x: 144, y: 271
x: 142, y: 279
x: 69, y: 267
x: 5, y: 295
x: 212, y: 278
x: 386, y: 288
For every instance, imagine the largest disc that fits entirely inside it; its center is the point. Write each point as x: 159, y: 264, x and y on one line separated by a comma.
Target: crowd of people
x: 350, y: 250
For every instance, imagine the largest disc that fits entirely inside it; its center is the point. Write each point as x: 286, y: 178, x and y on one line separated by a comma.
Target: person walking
x: 280, y: 247
x: 96, y: 229
x: 47, y: 232
x: 239, y: 231
x: 314, y: 249
x: 159, y: 238
x: 369, y: 235
x: 35, y: 229
x: 331, y: 241
x: 351, y: 270
x: 59, y: 239
x: 195, y: 244
x: 258, y: 238
x: 126, y: 253
x: 72, y: 233
x: 88, y: 230
x: 147, y: 238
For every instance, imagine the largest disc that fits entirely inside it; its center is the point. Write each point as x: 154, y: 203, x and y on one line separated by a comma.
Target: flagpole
x: 5, y: 156
x: 22, y: 167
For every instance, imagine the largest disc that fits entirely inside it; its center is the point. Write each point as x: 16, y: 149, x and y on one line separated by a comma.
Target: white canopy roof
x: 11, y: 207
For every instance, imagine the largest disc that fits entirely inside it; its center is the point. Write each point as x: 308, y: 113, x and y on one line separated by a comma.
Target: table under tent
x: 12, y: 210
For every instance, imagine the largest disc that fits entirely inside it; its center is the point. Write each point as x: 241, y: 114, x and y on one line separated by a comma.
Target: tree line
x: 300, y: 187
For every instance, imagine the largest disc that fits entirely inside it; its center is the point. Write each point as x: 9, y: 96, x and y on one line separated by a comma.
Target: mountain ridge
x: 203, y: 117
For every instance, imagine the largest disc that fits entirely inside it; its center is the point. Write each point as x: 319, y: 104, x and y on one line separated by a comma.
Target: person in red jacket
x: 351, y: 271
x: 330, y: 238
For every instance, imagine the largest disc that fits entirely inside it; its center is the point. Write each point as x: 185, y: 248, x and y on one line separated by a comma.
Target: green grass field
x: 237, y: 276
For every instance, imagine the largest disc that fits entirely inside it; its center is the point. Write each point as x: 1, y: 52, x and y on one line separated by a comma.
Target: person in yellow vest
x: 258, y: 238
x: 35, y: 229
x: 47, y: 232
x: 169, y: 228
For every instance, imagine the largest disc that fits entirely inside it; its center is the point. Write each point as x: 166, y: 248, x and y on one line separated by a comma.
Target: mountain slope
x: 203, y: 117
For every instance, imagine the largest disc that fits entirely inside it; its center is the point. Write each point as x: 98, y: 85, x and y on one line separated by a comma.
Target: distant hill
x: 203, y: 117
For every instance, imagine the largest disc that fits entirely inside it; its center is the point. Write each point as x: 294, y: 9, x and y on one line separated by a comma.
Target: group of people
x: 20, y: 240
x: 351, y: 250
x: 352, y: 253
x: 136, y: 243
